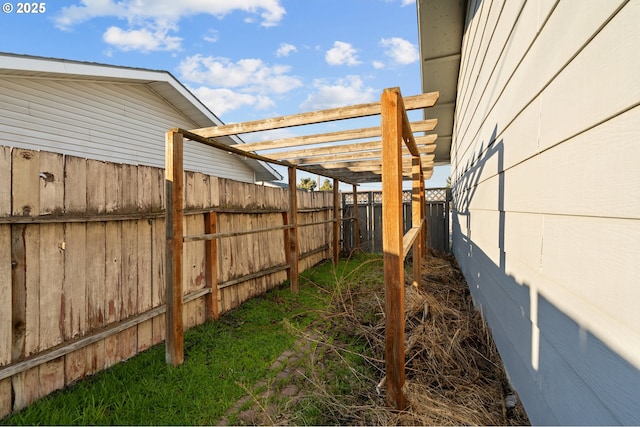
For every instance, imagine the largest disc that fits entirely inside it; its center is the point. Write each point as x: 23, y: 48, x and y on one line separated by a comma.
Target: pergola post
x: 174, y: 191
x: 392, y: 244
x: 417, y: 216
x: 356, y: 222
x: 336, y: 222
x: 292, y: 244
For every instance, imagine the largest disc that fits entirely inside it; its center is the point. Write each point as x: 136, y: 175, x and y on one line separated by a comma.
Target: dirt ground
x: 454, y: 375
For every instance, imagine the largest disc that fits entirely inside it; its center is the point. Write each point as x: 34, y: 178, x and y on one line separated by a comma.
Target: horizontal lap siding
x: 547, y: 200
x: 105, y: 121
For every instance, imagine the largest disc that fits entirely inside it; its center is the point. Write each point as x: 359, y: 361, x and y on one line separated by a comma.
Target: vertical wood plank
x: 95, y: 262
x: 32, y: 286
x: 158, y: 277
x: 174, y: 352
x: 95, y: 268
x: 26, y: 388
x: 113, y: 184
x: 96, y: 186
x: 51, y: 301
x: 95, y: 357
x: 157, y: 189
x: 145, y: 299
x: 129, y: 242
x: 127, y: 343
x: 113, y: 272
x: 5, y: 397
x: 214, y: 188
x: 6, y: 324
x: 26, y: 298
x: 392, y: 246
x: 129, y: 268
x: 5, y: 181
x: 18, y: 291
x: 128, y: 186
x: 75, y: 366
x: 111, y: 350
x: 51, y: 183
x: 25, y: 179
x: 212, y: 300
x: 75, y: 195
x: 51, y: 376
x: 74, y: 286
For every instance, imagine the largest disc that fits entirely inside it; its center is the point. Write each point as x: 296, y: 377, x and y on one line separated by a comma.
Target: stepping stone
x: 290, y: 390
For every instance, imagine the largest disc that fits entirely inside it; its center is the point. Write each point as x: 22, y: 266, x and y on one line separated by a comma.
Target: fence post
x: 392, y: 246
x: 174, y: 188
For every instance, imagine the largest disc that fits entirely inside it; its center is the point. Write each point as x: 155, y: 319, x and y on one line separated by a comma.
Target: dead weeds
x: 454, y: 374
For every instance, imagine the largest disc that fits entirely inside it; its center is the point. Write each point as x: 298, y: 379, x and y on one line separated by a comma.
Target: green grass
x: 222, y: 359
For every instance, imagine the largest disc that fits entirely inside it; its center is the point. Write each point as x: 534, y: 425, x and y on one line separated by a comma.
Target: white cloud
x: 222, y: 100
x: 146, y: 17
x: 252, y: 75
x: 378, y: 65
x: 403, y: 2
x: 144, y: 40
x: 226, y: 85
x: 342, y: 53
x: 270, y: 11
x: 211, y: 36
x: 346, y: 91
x: 285, y: 49
x: 400, y: 50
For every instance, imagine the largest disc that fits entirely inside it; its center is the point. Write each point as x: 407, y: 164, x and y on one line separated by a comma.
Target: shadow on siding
x: 563, y: 373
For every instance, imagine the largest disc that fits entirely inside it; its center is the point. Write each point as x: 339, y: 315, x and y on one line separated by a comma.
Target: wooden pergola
x: 397, y: 156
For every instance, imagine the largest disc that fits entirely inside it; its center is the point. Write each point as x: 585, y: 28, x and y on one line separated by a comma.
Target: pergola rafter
x: 425, y: 143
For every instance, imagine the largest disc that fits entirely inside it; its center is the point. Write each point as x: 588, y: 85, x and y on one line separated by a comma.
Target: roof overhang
x: 440, y: 31
x: 163, y: 83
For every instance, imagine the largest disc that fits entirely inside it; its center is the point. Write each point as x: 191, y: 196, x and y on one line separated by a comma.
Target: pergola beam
x: 341, y: 113
x: 425, y: 145
x: 344, y: 135
x: 213, y: 143
x: 427, y: 161
x: 373, y: 155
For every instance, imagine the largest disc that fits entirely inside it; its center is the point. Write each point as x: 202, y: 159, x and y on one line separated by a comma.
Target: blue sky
x: 245, y: 59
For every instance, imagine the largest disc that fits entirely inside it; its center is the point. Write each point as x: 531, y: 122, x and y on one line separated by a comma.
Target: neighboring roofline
x: 163, y: 83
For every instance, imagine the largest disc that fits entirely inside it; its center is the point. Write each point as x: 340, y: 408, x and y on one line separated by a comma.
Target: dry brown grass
x: 454, y: 375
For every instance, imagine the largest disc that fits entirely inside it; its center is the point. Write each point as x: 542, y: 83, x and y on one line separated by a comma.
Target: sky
x: 244, y: 59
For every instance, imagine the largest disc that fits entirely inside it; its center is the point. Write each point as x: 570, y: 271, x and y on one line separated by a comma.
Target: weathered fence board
x: 82, y: 258
x: 437, y: 205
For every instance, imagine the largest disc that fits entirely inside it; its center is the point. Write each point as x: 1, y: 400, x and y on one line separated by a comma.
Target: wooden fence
x: 369, y: 205
x: 82, y: 261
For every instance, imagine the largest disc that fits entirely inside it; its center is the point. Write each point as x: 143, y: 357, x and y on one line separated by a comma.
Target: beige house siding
x: 547, y: 199
x: 109, y: 121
